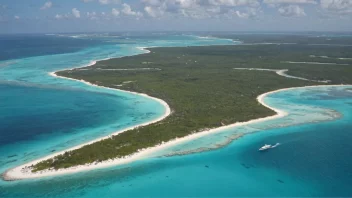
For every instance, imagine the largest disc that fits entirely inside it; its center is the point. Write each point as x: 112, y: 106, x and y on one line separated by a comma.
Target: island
x: 206, y: 87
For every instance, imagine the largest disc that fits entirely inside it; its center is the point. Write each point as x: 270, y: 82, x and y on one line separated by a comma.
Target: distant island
x: 205, y: 87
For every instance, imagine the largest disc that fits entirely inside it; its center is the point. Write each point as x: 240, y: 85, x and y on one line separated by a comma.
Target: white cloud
x: 47, y: 5
x: 187, y: 3
x: 172, y: 4
x: 291, y: 11
x: 92, y: 15
x: 16, y: 17
x: 290, y: 1
x: 195, y: 13
x: 242, y: 15
x: 154, y: 11
x: 337, y: 6
x: 153, y: 2
x: 215, y: 9
x: 234, y: 2
x: 248, y: 13
x: 76, y: 13
x: 115, y: 12
x: 150, y: 11
x: 58, y: 16
x: 196, y: 8
x: 104, y: 2
x: 62, y: 16
x: 109, y: 1
x: 127, y: 10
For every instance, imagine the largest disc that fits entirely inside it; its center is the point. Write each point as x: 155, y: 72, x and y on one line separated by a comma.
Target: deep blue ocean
x: 40, y: 114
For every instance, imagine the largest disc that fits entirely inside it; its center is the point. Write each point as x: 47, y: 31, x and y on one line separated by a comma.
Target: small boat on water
x: 265, y: 147
x: 268, y: 146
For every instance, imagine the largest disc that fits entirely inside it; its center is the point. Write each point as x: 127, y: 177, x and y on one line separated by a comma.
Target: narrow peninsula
x: 202, y: 88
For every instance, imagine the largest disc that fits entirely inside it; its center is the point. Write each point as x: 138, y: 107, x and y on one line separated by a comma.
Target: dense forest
x: 203, y: 89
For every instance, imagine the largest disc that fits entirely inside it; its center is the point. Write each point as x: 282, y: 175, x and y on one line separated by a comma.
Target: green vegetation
x: 202, y: 88
x: 303, y: 39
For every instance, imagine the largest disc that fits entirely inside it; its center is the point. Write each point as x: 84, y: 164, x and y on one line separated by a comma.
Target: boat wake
x: 276, y: 145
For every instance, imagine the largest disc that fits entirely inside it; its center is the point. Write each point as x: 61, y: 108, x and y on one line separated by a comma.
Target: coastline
x: 17, y: 173
x: 17, y: 170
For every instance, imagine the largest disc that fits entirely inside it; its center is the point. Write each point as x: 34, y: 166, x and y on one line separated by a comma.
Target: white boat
x: 265, y: 147
x: 268, y: 146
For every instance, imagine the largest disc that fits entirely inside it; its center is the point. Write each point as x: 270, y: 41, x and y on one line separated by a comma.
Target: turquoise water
x: 41, y: 114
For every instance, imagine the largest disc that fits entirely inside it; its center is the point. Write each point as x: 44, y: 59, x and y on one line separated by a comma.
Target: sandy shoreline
x: 23, y: 172
x: 18, y: 173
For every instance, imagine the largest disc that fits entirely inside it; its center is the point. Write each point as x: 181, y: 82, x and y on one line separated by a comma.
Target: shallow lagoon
x: 305, y: 164
x: 30, y: 95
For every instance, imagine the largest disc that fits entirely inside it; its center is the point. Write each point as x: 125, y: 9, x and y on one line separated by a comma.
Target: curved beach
x: 17, y: 172
x: 24, y: 172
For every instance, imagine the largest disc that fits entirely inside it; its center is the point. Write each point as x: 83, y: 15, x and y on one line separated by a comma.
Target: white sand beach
x: 24, y: 171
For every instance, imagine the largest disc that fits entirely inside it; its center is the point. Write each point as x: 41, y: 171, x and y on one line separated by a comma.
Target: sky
x: 52, y: 16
